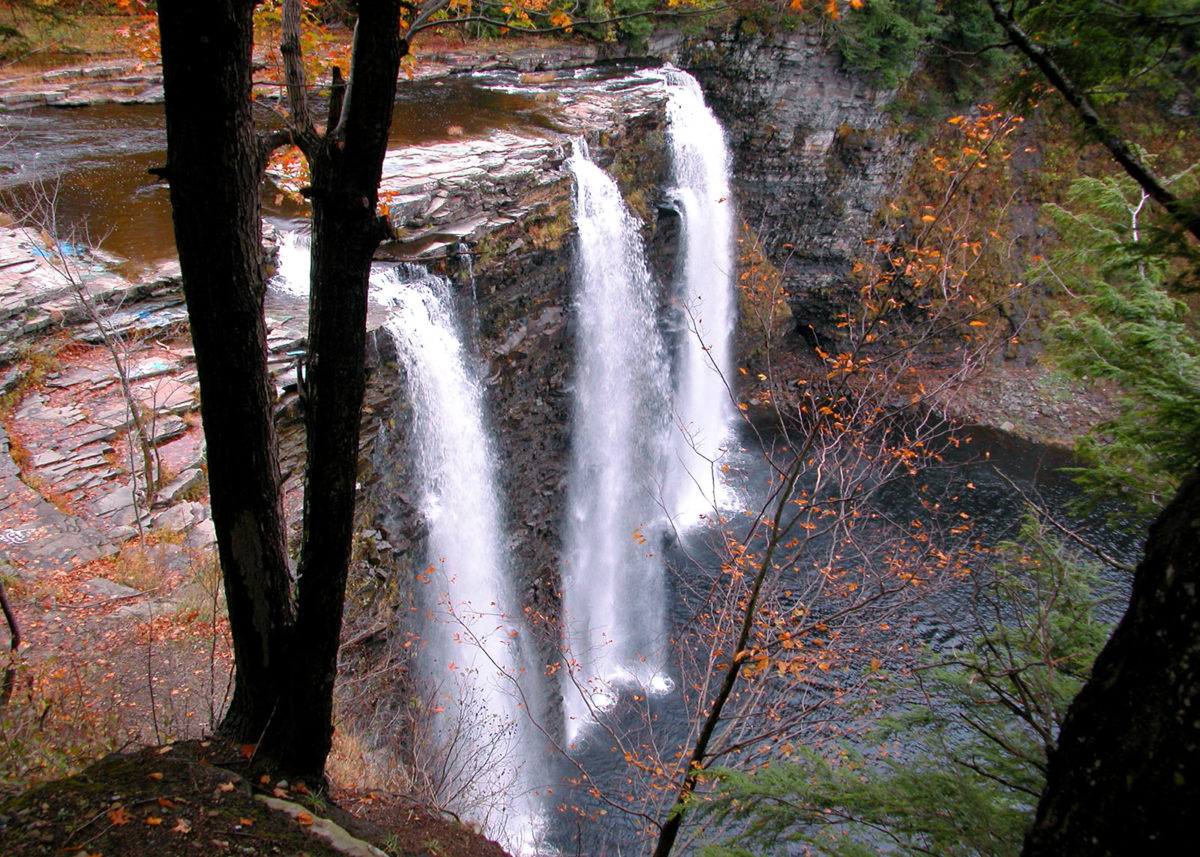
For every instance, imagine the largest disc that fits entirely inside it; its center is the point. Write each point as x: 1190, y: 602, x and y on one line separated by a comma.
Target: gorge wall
x: 815, y: 156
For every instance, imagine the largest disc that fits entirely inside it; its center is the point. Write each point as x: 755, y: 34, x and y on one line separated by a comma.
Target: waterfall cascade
x: 704, y: 415
x: 474, y: 652
x: 648, y: 438
x: 613, y: 609
x: 293, y: 262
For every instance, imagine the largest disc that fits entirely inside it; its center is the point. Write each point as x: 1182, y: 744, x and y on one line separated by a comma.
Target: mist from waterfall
x: 705, y: 301
x: 476, y: 655
x: 613, y: 575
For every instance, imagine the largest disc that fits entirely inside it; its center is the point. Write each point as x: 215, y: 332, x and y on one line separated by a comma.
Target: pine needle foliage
x: 1125, y: 326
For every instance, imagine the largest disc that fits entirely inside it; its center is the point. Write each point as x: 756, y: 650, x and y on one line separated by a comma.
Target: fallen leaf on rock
x: 226, y: 787
x: 304, y: 818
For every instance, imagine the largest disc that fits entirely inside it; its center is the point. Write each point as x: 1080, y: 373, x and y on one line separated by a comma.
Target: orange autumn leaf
x: 226, y: 787
x: 153, y: 820
x: 305, y: 819
x: 118, y: 816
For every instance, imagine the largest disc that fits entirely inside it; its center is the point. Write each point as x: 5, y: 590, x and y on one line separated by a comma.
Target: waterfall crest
x: 474, y: 650
x: 705, y: 300
x: 613, y: 571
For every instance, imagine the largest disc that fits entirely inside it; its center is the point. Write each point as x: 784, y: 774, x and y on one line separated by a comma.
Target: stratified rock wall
x: 815, y: 156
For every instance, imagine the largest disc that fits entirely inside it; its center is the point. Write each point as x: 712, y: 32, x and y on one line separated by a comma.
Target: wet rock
x: 180, y: 517
x: 115, y: 501
x: 186, y: 482
x: 809, y: 136
x: 203, y: 536
x: 123, y: 82
x: 99, y: 587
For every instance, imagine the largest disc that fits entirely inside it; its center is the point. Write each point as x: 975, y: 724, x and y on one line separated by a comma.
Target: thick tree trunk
x: 1126, y: 773
x: 214, y: 170
x: 346, y: 169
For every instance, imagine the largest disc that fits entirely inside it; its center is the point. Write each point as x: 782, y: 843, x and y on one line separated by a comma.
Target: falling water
x: 613, y: 570
x: 474, y: 637
x: 703, y: 413
x: 293, y: 263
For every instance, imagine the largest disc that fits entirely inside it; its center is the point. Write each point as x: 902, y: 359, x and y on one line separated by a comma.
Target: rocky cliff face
x: 815, y: 156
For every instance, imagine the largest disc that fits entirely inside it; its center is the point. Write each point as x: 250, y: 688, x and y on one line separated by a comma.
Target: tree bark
x: 214, y: 169
x: 1127, y: 768
x: 346, y: 170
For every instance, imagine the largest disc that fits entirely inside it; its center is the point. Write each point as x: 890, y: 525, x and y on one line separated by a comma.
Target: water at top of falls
x: 613, y: 610
x: 473, y: 635
x: 704, y: 296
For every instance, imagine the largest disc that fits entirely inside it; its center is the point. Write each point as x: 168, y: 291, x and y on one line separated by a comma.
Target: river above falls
x: 92, y: 162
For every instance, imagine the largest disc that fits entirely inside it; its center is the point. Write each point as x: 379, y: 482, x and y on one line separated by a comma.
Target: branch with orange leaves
x: 520, y: 16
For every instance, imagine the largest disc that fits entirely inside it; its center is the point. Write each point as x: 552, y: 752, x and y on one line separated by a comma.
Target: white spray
x: 705, y: 300
x: 613, y: 571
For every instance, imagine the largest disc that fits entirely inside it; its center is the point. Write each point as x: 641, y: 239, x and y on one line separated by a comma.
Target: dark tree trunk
x: 346, y: 167
x: 1126, y: 774
x: 285, y: 649
x: 214, y: 169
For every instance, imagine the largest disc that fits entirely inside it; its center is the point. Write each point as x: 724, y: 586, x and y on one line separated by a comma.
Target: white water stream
x: 479, y: 665
x: 613, y: 607
x: 293, y: 263
x: 480, y: 672
x: 705, y: 300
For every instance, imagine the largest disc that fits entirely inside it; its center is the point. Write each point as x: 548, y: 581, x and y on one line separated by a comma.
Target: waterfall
x: 705, y: 300
x: 613, y: 609
x: 293, y: 263
x: 477, y: 661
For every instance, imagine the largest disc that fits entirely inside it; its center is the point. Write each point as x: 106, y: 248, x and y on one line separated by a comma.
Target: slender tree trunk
x: 8, y: 680
x: 1126, y: 774
x: 346, y: 169
x: 214, y: 169
x: 1183, y: 213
